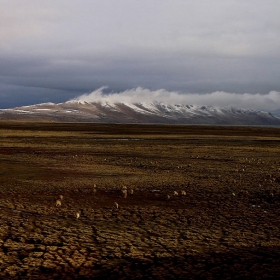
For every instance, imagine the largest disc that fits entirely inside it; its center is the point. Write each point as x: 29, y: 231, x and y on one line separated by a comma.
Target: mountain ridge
x: 153, y: 112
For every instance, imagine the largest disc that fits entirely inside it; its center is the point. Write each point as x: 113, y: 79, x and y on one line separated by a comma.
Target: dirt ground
x: 223, y: 224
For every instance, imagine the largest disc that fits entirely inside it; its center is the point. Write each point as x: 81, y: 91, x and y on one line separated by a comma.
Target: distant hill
x: 155, y: 112
x: 276, y: 112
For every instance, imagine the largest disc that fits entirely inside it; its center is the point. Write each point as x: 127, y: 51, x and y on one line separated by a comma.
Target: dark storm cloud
x: 56, y: 50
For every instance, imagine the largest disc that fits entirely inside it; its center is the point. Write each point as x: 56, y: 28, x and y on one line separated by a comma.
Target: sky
x: 218, y: 52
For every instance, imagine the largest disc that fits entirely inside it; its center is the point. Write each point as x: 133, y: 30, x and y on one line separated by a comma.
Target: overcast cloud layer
x: 218, y: 51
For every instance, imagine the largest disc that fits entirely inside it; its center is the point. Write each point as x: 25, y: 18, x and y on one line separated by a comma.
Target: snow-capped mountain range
x: 154, y: 112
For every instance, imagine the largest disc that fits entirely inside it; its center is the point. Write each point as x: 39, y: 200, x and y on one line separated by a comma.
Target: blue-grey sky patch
x: 53, y: 51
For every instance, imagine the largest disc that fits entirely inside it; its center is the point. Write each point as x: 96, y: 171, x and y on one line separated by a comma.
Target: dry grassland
x: 225, y: 227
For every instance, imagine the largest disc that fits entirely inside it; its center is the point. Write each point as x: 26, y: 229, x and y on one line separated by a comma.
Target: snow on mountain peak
x: 142, y: 112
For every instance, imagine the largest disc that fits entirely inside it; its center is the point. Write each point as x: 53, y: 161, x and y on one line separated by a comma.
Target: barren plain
x: 226, y: 226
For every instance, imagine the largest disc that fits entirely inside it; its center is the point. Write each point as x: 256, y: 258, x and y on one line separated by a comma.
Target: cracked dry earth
x: 225, y: 227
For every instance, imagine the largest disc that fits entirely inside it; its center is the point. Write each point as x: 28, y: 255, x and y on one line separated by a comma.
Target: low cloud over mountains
x: 267, y: 102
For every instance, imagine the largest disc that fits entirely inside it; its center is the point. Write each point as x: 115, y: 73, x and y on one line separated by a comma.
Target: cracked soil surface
x: 227, y: 226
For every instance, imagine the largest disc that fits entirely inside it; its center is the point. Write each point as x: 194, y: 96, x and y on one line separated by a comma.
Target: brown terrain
x: 223, y: 224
